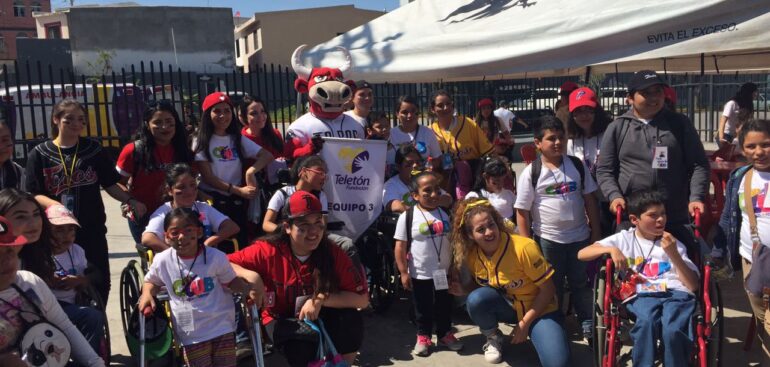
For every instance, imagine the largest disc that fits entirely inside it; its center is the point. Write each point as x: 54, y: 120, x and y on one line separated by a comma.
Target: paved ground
x: 390, y: 336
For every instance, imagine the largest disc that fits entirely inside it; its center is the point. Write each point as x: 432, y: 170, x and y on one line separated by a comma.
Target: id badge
x: 565, y: 210
x: 651, y: 287
x: 269, y: 299
x: 421, y: 147
x: 68, y: 201
x: 184, y: 317
x: 299, y: 302
x: 660, y: 157
x: 446, y: 162
x: 440, y: 280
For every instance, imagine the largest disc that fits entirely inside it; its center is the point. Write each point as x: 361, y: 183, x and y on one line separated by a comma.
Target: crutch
x: 256, y: 336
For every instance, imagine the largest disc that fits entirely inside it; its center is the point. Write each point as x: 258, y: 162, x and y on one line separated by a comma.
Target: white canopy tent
x: 430, y: 40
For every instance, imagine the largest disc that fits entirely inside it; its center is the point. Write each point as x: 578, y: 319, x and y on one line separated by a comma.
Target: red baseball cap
x: 215, y: 98
x: 582, y: 97
x: 568, y: 87
x: 302, y: 203
x: 485, y: 102
x: 7, y: 238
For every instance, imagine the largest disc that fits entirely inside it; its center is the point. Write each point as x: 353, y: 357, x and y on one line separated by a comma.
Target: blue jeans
x: 487, y: 307
x: 89, y: 321
x: 563, y: 258
x: 666, y: 316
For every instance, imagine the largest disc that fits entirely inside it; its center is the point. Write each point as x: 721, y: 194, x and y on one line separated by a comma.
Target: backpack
x: 537, y: 167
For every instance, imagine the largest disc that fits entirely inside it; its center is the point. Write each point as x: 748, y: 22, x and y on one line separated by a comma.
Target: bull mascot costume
x: 328, y: 92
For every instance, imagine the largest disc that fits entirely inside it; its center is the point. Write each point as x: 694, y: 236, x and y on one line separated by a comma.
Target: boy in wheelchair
x: 664, y: 301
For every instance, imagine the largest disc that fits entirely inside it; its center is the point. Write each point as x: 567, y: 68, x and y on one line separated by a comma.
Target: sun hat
x: 59, y: 215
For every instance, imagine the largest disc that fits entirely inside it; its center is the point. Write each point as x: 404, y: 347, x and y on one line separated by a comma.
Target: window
x: 53, y: 30
x: 21, y: 35
x: 2, y: 44
x: 18, y: 8
x: 238, y: 48
x: 35, y: 6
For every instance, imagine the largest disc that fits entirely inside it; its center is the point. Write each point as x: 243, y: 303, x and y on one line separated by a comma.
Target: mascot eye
x: 320, y: 78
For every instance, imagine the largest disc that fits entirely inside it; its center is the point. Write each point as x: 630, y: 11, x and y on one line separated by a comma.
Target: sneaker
x: 450, y: 342
x: 243, y: 350
x: 422, y: 347
x: 588, y: 329
x: 493, y: 349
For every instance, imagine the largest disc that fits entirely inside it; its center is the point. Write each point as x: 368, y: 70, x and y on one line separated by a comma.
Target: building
x: 112, y: 37
x: 16, y: 22
x: 271, y: 37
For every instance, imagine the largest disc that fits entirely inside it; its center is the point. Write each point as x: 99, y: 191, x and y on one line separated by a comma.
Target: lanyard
x: 446, y: 141
x: 186, y: 282
x: 295, y: 270
x: 563, y: 187
x: 64, y: 164
x: 72, y: 264
x: 640, y: 267
x: 432, y: 235
x: 497, y: 265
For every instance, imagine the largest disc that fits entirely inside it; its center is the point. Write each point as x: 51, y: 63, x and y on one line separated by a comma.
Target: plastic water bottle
x: 429, y: 164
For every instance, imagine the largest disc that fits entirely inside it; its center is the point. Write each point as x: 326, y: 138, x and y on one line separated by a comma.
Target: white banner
x: 354, y: 182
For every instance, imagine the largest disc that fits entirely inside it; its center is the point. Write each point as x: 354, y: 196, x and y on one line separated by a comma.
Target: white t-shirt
x: 430, y: 237
x: 11, y: 324
x: 424, y: 139
x: 359, y: 119
x: 213, y: 313
x: 760, y: 186
x: 658, y: 267
x: 225, y: 163
x: 395, y: 189
x: 506, y: 116
x: 558, y: 215
x: 502, y: 201
x: 209, y: 217
x: 278, y: 200
x: 587, y: 149
x: 731, y: 112
x: 71, y: 262
x: 307, y: 126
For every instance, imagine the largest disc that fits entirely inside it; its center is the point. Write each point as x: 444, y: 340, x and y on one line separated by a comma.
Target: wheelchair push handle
x: 618, y: 214
x: 696, y: 222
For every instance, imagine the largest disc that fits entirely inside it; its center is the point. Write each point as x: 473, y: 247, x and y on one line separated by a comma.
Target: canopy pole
x: 716, y: 64
x: 702, y: 64
x: 588, y: 74
x: 665, y: 68
x: 617, y: 76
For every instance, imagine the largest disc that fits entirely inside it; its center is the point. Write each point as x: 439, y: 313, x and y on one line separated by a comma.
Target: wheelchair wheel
x: 710, y: 332
x: 600, y: 329
x: 90, y: 297
x: 383, y: 285
x: 131, y: 279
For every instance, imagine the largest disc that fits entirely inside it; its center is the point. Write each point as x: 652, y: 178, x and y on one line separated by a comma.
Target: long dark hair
x: 11, y: 175
x: 267, y: 132
x: 144, y: 143
x: 173, y: 172
x: 36, y: 257
x: 436, y: 94
x: 401, y: 100
x: 206, y: 130
x: 305, y: 162
x: 745, y: 100
x: 492, y: 122
x: 493, y: 167
x: 324, y: 280
x: 601, y: 120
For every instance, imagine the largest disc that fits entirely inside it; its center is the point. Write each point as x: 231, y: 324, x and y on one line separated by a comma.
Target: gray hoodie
x: 625, y: 162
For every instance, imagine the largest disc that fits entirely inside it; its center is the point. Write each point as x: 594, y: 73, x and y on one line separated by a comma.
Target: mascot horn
x: 326, y: 87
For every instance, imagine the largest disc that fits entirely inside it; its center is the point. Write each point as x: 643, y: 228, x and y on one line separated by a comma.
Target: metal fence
x: 115, y: 101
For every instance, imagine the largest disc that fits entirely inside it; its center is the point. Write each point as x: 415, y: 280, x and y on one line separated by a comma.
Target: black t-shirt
x: 93, y: 168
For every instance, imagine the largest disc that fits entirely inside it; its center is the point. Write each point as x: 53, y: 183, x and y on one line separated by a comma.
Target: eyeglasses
x: 316, y: 171
x: 187, y: 231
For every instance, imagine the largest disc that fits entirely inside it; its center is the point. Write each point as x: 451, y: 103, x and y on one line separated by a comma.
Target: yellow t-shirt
x: 465, y: 141
x: 517, y: 266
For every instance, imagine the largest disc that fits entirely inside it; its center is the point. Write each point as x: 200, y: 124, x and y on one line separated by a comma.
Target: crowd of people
x: 222, y: 218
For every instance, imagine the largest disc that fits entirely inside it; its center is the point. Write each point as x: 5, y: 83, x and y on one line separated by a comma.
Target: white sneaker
x: 493, y: 349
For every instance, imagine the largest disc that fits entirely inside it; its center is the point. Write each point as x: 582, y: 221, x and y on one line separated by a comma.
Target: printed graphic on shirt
x: 193, y: 286
x: 56, y: 180
x: 758, y: 199
x: 652, y: 269
x: 225, y: 153
x: 435, y: 228
x: 561, y: 188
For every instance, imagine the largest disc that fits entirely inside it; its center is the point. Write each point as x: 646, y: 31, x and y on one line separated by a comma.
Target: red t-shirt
x: 261, y: 143
x: 285, y: 276
x: 146, y: 187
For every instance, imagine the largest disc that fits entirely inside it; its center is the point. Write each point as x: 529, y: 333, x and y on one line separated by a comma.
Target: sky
x: 247, y: 7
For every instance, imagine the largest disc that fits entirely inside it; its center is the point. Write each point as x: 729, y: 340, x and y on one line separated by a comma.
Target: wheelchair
x: 375, y: 248
x: 89, y: 297
x: 612, y: 321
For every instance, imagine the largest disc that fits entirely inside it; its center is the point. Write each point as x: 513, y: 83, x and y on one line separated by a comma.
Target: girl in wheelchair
x: 196, y: 277
x: 664, y: 299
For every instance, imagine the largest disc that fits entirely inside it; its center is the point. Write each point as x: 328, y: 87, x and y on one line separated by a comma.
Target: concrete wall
x: 203, y: 37
x: 54, y: 52
x: 283, y: 31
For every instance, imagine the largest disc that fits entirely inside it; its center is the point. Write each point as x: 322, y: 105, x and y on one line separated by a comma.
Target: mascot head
x: 326, y: 87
